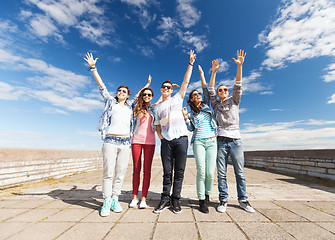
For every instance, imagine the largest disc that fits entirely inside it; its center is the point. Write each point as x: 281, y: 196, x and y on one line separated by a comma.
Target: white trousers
x: 115, y: 163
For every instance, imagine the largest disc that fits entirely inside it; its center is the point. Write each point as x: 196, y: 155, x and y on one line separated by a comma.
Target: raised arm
x: 91, y: 61
x: 146, y: 85
x: 202, y: 76
x: 215, y: 67
x: 188, y: 74
x: 240, y: 55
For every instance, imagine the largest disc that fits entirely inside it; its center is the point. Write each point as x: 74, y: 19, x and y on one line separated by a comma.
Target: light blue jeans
x: 205, y: 151
x: 234, y: 148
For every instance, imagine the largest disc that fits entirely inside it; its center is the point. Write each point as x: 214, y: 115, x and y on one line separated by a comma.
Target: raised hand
x: 90, y: 60
x: 215, y: 65
x: 149, y: 79
x: 175, y: 85
x: 192, y: 57
x: 240, y: 57
x: 184, y: 111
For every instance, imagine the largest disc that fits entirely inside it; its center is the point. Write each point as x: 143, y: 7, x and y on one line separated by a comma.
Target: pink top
x: 145, y: 134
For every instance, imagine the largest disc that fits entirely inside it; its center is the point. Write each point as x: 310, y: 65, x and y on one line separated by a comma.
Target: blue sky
x: 49, y: 99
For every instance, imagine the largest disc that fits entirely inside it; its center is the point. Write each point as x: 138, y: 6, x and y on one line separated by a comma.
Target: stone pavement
x: 286, y: 208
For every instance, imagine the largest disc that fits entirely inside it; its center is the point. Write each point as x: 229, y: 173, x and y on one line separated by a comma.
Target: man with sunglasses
x: 226, y: 111
x: 172, y: 131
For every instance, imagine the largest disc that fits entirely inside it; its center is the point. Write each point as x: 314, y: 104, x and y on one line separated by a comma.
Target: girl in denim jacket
x: 117, y: 118
x: 201, y: 121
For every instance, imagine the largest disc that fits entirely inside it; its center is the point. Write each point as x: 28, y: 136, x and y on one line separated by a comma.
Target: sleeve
x: 157, y: 118
x: 105, y: 94
x: 189, y: 124
x: 205, y: 94
x: 212, y: 97
x: 237, y: 93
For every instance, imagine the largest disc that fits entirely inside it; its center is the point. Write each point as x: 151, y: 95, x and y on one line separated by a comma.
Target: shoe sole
x: 176, y: 212
x: 159, y: 211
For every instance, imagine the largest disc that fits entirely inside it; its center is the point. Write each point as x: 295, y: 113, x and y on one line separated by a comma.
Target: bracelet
x: 190, y: 64
x: 93, y: 67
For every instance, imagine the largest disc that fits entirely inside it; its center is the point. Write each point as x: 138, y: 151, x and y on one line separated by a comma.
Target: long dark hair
x: 192, y: 105
x: 117, y: 99
x: 141, y: 106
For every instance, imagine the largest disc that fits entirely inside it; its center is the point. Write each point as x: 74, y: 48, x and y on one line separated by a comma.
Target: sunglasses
x: 166, y: 87
x: 147, y: 94
x: 196, y: 94
x: 223, y: 89
x: 122, y: 90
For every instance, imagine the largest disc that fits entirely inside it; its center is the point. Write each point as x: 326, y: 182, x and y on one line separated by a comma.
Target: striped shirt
x: 205, y: 129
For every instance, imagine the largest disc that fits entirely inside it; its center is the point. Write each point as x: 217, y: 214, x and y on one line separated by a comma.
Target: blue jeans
x: 234, y: 148
x: 173, y: 154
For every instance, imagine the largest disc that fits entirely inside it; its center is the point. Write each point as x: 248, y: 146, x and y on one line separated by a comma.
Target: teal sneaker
x: 106, y: 207
x: 116, y: 207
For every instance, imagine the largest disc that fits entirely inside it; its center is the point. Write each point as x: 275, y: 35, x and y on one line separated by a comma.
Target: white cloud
x: 330, y: 76
x: 289, y: 135
x: 266, y: 92
x: 332, y: 99
x: 135, y: 2
x: 198, y: 42
x: 56, y: 17
x: 276, y: 110
x: 53, y: 110
x: 303, y: 29
x: 188, y: 14
x: 8, y: 92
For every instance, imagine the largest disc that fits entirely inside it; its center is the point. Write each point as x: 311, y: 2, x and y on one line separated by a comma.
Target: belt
x: 225, y: 139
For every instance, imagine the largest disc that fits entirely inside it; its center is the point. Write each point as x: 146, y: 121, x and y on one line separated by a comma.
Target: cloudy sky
x: 49, y: 99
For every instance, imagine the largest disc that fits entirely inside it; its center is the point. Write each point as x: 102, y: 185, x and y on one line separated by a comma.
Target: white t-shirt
x: 120, y: 120
x: 169, y: 116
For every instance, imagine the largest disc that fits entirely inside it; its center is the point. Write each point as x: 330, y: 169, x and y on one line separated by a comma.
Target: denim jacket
x: 151, y: 111
x: 105, y: 117
x: 227, y: 112
x: 191, y: 124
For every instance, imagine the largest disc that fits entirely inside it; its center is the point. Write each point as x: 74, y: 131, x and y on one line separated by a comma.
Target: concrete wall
x: 19, y: 166
x: 315, y: 163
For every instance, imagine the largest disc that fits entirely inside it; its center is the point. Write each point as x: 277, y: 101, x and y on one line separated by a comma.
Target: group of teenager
x: 129, y: 126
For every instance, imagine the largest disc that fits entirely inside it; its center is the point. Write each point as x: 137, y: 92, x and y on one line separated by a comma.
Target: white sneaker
x: 133, y: 203
x: 143, y: 205
x: 246, y: 206
x: 222, y: 207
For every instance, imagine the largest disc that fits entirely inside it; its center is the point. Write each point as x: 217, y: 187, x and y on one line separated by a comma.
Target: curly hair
x: 192, y: 105
x: 141, y: 106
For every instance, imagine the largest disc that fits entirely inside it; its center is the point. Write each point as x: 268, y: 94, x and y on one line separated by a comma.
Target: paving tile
x: 89, y: 231
x: 28, y: 204
x: 292, y: 204
x: 212, y: 216
x: 321, y: 204
x: 281, y: 215
x: 131, y: 231
x: 177, y: 230
x: 9, y: 229
x: 330, y: 226
x: 239, y: 215
x: 42, y: 231
x: 139, y: 216
x: 34, y: 215
x: 168, y: 216
x: 59, y: 204
x: 264, y: 205
x: 9, y: 213
x: 220, y: 230
x: 69, y: 215
x: 261, y: 230
x: 314, y: 215
x: 94, y: 217
x: 306, y: 230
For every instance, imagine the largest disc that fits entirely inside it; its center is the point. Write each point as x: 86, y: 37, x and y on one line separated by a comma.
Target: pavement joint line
x: 238, y: 226
x: 75, y: 223
x: 115, y: 223
x: 195, y: 221
x: 154, y: 228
